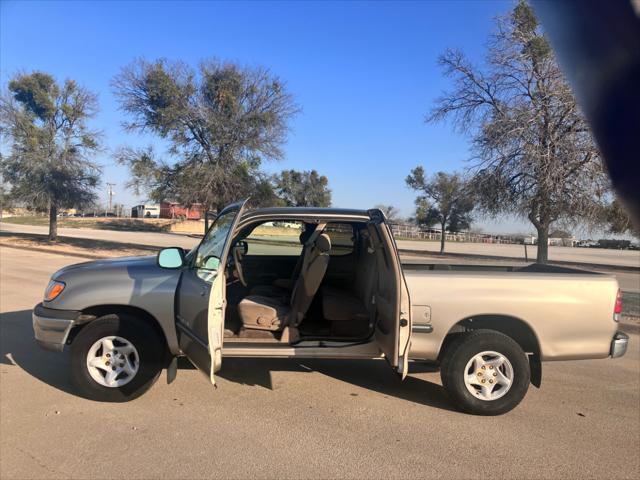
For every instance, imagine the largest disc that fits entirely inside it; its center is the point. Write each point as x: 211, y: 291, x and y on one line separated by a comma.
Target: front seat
x: 261, y: 312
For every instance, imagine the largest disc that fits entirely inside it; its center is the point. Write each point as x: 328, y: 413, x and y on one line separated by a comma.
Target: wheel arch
x: 515, y: 328
x: 97, y: 311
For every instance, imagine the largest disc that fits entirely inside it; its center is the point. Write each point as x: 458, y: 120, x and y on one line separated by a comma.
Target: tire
x: 470, y: 359
x: 143, y: 363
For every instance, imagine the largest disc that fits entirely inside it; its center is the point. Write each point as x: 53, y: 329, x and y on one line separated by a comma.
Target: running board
x: 368, y: 350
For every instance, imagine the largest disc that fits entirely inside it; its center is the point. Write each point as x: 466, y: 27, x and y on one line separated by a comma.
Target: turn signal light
x: 53, y: 290
x: 617, y: 310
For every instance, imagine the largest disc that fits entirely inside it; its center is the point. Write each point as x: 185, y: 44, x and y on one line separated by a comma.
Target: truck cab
x: 292, y: 283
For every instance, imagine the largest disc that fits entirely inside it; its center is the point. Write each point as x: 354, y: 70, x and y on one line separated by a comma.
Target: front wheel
x: 116, y: 358
x: 485, y: 372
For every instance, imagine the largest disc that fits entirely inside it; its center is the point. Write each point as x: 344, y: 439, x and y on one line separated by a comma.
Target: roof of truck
x: 306, y: 212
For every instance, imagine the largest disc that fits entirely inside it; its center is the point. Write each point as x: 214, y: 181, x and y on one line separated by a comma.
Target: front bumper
x: 619, y: 344
x: 51, y: 327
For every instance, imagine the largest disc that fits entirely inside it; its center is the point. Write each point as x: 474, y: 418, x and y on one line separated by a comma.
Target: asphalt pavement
x: 299, y: 419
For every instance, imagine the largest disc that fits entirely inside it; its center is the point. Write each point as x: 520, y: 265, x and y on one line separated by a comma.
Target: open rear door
x: 392, y: 303
x: 201, y: 337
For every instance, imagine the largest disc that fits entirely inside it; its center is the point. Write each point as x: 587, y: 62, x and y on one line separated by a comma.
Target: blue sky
x: 364, y: 74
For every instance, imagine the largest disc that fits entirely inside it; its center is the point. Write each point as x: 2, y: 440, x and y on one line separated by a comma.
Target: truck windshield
x: 210, y: 250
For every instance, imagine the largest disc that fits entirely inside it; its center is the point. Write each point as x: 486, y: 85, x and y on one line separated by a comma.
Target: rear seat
x: 348, y: 309
x: 339, y: 305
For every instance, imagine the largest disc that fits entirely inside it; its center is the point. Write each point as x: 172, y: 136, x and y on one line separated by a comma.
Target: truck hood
x: 106, y: 264
x: 132, y: 281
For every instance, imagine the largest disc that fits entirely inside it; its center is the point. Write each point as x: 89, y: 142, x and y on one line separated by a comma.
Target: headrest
x: 323, y: 243
x: 305, y: 235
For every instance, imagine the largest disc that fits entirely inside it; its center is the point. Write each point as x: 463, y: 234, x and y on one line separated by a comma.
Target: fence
x: 409, y: 231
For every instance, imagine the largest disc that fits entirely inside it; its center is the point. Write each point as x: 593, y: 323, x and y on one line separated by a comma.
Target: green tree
x: 618, y: 220
x: 536, y: 156
x: 221, y: 120
x: 446, y: 199
x: 154, y: 177
x: 303, y: 189
x: 50, y: 143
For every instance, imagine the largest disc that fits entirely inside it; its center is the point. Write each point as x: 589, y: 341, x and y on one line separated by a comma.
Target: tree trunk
x: 442, y: 238
x: 543, y: 243
x: 53, y: 221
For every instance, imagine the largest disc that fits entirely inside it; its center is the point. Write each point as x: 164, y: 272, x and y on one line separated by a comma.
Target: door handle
x: 203, y: 291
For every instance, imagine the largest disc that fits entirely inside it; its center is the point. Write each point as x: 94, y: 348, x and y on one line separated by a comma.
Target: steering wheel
x: 238, y: 253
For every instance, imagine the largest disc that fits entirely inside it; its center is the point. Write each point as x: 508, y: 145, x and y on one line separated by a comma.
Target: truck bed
x: 568, y: 310
x: 532, y: 268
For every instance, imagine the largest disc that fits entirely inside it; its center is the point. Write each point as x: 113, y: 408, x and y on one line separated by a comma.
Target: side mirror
x: 172, y: 257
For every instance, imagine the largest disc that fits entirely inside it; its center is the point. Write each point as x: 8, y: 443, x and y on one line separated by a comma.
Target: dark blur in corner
x: 598, y: 46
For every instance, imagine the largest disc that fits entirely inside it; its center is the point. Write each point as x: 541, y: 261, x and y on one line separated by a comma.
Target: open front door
x: 201, y: 299
x: 392, y: 305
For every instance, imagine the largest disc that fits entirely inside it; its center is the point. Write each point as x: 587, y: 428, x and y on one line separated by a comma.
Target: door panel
x: 215, y: 323
x: 393, y: 326
x: 200, y: 300
x: 192, y: 305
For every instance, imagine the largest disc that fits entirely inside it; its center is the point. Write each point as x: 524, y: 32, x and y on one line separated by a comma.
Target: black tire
x: 462, y: 350
x: 148, y: 343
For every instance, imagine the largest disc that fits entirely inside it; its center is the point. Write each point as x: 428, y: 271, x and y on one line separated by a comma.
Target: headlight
x: 54, y: 289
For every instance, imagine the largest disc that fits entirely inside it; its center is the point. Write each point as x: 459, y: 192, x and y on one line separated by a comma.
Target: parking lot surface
x: 293, y: 419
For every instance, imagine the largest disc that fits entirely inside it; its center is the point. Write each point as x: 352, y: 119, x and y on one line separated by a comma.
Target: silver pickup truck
x: 322, y: 283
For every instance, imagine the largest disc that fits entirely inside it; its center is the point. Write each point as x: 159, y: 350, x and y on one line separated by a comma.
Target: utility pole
x: 110, y: 193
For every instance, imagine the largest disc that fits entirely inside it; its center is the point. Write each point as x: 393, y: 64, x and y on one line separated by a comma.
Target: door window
x: 207, y: 260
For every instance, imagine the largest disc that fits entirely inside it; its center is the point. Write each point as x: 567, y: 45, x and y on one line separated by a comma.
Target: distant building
x: 177, y: 210
x: 554, y: 241
x: 562, y: 242
x: 148, y: 210
x: 68, y: 212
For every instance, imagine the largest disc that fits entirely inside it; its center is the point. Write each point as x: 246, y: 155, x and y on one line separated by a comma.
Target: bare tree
x: 222, y: 121
x: 446, y: 199
x: 535, y: 155
x: 51, y: 145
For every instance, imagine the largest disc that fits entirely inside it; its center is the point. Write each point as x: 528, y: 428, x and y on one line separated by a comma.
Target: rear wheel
x: 116, y: 358
x: 485, y: 372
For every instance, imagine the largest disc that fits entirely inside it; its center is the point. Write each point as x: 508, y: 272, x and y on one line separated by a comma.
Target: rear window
x: 342, y: 238
x: 276, y: 238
